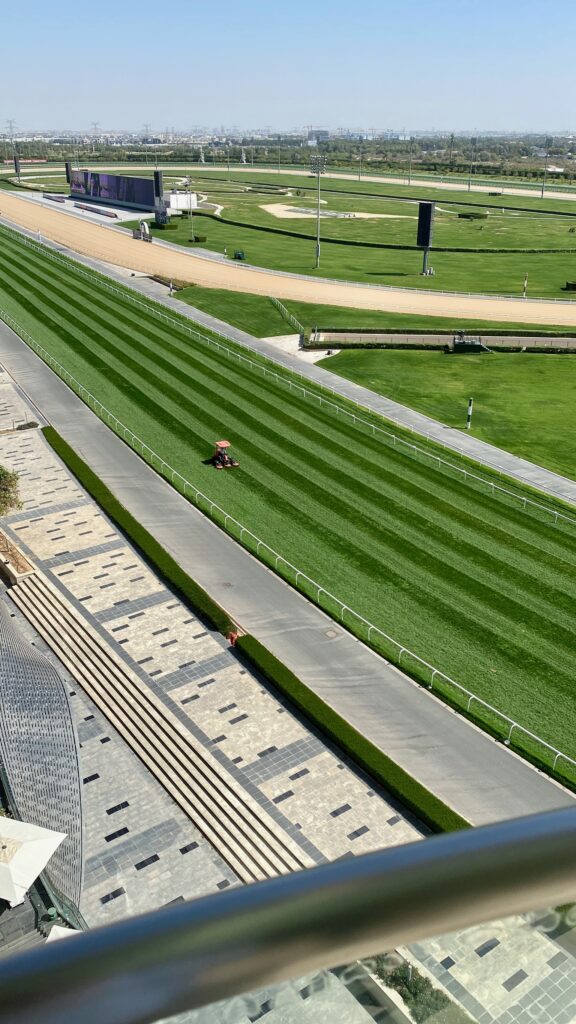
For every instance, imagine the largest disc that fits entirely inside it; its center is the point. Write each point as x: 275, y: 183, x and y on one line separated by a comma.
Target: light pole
x: 548, y: 144
x: 278, y: 159
x: 189, y: 191
x: 410, y: 163
x: 317, y: 166
x: 473, y: 154
x: 228, y: 149
x: 360, y: 170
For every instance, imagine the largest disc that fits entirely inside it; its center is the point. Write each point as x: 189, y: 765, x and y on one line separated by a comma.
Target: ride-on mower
x: 222, y: 459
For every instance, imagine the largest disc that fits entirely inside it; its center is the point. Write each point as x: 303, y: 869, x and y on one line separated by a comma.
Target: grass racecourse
x: 485, y: 592
x: 523, y: 402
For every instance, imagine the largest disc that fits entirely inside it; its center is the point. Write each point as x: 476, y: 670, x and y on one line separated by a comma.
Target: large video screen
x: 113, y: 188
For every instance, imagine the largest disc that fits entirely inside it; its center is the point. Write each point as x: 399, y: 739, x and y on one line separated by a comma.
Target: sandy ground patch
x: 113, y: 245
x: 302, y: 212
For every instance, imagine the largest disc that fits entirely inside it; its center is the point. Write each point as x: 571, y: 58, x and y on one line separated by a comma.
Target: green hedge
x: 374, y: 245
x: 150, y: 548
x: 422, y: 802
x: 484, y: 332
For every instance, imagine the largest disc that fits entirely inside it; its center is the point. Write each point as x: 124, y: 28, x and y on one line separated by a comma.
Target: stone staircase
x: 240, y: 830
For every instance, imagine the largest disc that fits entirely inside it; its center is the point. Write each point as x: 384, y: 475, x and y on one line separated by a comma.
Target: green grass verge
x: 144, y: 541
x: 370, y: 758
x: 256, y: 315
x: 523, y: 402
x: 481, y: 590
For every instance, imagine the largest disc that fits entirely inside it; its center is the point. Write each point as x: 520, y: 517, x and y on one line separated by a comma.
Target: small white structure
x: 58, y: 932
x: 24, y: 852
x: 183, y: 200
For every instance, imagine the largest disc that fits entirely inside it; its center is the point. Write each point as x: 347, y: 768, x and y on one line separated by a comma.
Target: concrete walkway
x: 479, y: 778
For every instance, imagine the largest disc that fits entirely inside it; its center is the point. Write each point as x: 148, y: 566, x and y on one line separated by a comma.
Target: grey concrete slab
x: 476, y: 776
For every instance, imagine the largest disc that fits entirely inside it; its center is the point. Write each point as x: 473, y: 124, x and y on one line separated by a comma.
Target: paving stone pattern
x: 267, y: 750
x: 328, y: 807
x: 13, y: 408
x: 508, y: 972
x: 119, y: 792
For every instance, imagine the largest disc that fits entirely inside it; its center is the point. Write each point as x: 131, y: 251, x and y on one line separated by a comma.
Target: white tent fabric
x: 58, y: 932
x: 24, y: 852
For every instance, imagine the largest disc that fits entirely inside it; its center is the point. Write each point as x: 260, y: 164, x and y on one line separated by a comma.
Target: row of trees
x: 523, y: 157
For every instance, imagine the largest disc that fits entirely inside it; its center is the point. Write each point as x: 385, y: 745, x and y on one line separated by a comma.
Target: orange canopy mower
x: 221, y: 459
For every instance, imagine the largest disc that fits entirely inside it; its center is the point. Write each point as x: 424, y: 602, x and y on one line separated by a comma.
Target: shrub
x: 473, y: 215
x: 9, y: 498
x: 199, y: 238
x: 424, y: 1001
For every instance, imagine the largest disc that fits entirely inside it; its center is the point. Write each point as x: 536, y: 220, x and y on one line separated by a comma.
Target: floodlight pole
x: 278, y: 159
x: 189, y: 191
x: 360, y: 171
x: 410, y: 163
x: 471, y: 164
x: 318, y: 163
x: 228, y: 150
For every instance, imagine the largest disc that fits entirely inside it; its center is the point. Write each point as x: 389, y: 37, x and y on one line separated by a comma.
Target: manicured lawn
x: 476, y: 272
x: 504, y: 272
x: 486, y: 593
x: 256, y: 315
x: 523, y: 402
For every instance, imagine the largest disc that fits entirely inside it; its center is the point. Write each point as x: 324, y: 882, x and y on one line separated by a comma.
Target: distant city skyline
x: 425, y: 65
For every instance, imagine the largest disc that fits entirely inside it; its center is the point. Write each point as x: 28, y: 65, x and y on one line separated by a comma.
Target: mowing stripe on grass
x: 481, y: 590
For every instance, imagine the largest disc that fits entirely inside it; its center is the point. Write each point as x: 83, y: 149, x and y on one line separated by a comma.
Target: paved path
x: 479, y: 778
x: 116, y: 246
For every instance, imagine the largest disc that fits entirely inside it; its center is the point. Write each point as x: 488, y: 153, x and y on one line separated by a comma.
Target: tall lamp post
x: 548, y: 145
x: 360, y: 170
x: 189, y: 191
x: 473, y: 154
x: 318, y: 166
x: 410, y: 162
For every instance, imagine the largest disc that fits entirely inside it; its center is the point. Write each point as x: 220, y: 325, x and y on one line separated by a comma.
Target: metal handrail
x: 187, y: 956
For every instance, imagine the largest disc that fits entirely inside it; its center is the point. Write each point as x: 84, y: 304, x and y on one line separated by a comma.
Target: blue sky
x: 447, y: 64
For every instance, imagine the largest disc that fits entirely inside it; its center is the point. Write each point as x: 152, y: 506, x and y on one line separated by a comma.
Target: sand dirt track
x: 118, y: 247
